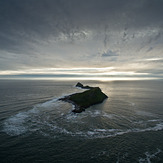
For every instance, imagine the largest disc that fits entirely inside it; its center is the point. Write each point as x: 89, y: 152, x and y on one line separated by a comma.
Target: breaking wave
x: 54, y: 118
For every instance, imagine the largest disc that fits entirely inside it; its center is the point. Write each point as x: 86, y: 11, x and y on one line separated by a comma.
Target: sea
x: 36, y: 127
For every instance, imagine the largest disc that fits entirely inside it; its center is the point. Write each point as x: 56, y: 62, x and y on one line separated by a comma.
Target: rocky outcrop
x: 82, y: 86
x: 85, y: 99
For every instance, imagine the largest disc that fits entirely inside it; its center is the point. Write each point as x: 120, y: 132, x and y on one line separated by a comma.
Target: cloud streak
x: 39, y: 34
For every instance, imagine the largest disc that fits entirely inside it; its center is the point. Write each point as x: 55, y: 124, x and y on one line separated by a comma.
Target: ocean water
x: 36, y: 127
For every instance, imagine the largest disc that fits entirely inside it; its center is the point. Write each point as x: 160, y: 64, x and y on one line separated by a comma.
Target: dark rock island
x: 82, y: 86
x: 85, y: 99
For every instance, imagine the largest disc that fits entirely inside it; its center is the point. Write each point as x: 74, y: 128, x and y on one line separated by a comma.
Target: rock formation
x: 85, y: 99
x: 82, y: 86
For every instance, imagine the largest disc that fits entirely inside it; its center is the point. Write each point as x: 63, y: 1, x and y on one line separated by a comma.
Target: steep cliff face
x: 85, y: 99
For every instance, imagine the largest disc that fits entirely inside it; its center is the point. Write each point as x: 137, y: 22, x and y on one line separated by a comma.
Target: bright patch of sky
x: 89, y: 39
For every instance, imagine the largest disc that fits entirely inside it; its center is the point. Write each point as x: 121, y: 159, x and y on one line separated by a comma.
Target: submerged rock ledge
x: 83, y: 100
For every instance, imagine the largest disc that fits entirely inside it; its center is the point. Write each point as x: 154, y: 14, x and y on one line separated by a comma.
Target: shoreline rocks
x: 82, y: 86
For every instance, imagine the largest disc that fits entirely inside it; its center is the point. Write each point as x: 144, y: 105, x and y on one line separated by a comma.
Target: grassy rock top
x: 85, y: 99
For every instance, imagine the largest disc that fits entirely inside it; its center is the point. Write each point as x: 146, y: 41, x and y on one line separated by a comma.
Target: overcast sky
x: 87, y: 38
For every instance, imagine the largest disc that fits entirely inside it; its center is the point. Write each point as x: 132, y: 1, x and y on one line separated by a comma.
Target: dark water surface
x: 36, y: 127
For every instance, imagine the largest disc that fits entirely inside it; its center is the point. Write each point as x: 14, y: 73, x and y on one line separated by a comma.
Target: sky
x: 89, y: 39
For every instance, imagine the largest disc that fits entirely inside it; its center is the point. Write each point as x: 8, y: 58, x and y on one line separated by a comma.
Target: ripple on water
x: 54, y: 117
x: 149, y: 156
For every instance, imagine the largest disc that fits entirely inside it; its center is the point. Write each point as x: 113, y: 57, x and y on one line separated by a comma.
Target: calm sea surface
x: 125, y: 128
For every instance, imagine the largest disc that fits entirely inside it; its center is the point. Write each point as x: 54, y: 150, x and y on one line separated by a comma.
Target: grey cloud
x: 62, y: 32
x: 109, y: 53
x: 53, y: 16
x: 150, y: 49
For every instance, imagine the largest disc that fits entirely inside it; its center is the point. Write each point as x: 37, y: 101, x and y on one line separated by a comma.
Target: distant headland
x: 83, y: 100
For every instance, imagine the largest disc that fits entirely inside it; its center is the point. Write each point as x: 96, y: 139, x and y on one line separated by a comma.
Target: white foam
x: 39, y: 119
x: 144, y: 113
x: 78, y: 87
x: 133, y: 104
x: 154, y: 120
x: 18, y: 124
x: 149, y: 156
x: 139, y: 122
x: 15, y: 125
x: 95, y: 113
x: 48, y: 103
x: 91, y: 133
x: 103, y: 133
x: 100, y: 130
x: 110, y: 116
